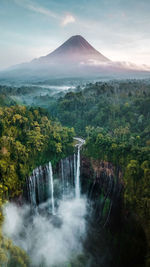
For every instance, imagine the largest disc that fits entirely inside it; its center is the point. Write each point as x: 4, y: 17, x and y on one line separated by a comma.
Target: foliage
x: 109, y: 105
x: 10, y: 255
x: 28, y: 139
x: 115, y: 119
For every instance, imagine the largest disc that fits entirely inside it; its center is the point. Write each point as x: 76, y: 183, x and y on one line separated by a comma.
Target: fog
x: 48, y: 240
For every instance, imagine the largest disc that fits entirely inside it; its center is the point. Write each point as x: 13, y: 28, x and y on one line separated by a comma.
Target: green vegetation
x: 108, y: 105
x: 28, y: 139
x: 115, y: 119
x: 10, y: 255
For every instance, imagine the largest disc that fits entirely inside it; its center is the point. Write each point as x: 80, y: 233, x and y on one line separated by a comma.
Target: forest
x: 113, y: 118
x: 28, y: 138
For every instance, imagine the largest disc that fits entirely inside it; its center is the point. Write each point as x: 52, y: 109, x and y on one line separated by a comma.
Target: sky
x: 119, y: 29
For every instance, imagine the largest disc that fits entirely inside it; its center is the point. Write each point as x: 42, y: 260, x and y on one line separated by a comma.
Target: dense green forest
x: 113, y: 117
x: 107, y: 105
x: 115, y: 120
x: 28, y: 138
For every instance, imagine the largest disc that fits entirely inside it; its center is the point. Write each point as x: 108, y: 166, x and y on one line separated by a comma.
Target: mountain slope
x: 74, y: 58
x: 75, y: 49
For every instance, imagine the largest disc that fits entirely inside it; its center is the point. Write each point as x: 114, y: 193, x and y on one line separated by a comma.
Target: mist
x: 48, y: 240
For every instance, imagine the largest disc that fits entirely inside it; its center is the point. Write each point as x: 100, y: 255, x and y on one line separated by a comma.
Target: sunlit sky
x: 119, y: 29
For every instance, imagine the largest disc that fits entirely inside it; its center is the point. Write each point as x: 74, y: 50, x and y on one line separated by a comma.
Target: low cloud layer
x: 52, y: 241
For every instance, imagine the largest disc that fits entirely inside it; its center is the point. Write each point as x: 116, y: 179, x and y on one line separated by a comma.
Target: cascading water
x: 41, y: 187
x: 77, y: 174
x: 66, y: 175
x: 63, y: 180
x: 41, y: 182
x: 35, y: 186
x: 58, y: 192
x: 51, y: 185
x: 77, y: 177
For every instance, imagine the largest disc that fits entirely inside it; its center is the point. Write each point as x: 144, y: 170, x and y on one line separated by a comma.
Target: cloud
x: 36, y: 8
x: 42, y: 11
x: 68, y: 19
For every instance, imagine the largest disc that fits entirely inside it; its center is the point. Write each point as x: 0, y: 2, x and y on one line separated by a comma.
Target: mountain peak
x: 76, y: 36
x: 77, y: 41
x: 75, y: 49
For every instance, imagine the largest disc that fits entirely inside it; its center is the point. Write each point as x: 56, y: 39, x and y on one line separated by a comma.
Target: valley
x: 98, y: 192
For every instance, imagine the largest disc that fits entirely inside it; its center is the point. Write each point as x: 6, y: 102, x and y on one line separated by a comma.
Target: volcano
x: 74, y: 58
x: 76, y: 50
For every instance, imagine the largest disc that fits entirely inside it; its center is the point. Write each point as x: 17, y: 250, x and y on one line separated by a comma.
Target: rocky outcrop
x: 103, y: 183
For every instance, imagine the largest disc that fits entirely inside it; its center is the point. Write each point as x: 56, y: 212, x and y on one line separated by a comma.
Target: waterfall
x: 67, y: 177
x: 51, y: 186
x: 77, y: 178
x: 62, y: 177
x: 41, y: 184
x: 74, y: 165
x: 33, y: 185
x: 77, y: 169
x: 32, y: 192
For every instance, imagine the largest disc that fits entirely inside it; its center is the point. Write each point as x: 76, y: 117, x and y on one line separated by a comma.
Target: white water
x: 41, y: 184
x: 75, y: 166
x: 63, y: 179
x: 55, y: 244
x: 77, y: 177
x: 51, y: 186
x: 77, y: 180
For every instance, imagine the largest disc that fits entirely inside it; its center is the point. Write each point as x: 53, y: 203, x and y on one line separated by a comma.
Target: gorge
x: 65, y: 204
